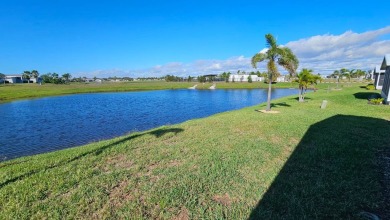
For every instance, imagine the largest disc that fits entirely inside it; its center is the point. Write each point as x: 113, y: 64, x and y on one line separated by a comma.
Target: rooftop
x: 386, y: 62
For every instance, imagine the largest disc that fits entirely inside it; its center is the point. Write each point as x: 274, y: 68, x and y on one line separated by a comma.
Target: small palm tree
x: 337, y: 74
x: 304, y: 79
x: 275, y: 54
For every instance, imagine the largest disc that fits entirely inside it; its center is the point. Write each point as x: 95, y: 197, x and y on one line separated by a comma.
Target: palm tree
x: 66, y: 76
x: 348, y: 73
x: 337, y: 74
x: 27, y: 75
x: 359, y: 73
x: 306, y: 78
x: 275, y: 54
x: 35, y: 75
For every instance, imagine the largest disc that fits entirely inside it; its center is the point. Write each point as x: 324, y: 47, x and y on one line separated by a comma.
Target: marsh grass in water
x: 304, y: 163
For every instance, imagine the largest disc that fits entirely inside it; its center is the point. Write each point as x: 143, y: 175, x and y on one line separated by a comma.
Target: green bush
x: 249, y: 79
x: 370, y: 87
x: 376, y: 101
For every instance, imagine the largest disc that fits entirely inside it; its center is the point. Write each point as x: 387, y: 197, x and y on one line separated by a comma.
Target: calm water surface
x: 35, y: 126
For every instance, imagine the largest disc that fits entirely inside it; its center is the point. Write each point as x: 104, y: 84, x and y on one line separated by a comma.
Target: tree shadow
x: 297, y: 98
x: 280, y: 104
x: 367, y: 95
x: 157, y: 133
x: 160, y: 132
x: 337, y: 171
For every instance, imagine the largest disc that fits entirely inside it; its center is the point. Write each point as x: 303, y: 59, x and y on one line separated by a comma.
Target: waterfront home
x: 386, y: 82
x: 379, y: 76
x: 17, y: 78
x: 244, y: 78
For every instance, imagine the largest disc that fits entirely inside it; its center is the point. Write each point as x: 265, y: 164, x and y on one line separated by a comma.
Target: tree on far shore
x: 67, y: 77
x: 2, y: 76
x: 35, y: 74
x: 274, y: 55
x: 27, y: 75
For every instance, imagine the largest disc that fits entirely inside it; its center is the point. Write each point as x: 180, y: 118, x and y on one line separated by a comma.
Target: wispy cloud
x: 325, y: 53
x: 322, y: 53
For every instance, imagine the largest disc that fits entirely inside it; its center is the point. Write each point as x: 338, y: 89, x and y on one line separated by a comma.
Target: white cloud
x: 325, y: 53
x: 322, y: 53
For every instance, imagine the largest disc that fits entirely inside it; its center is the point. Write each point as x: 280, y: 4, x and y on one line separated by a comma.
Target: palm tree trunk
x: 269, y: 95
x: 301, y: 97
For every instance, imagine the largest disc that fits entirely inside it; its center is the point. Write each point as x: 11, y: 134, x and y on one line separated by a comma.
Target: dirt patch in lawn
x: 224, y: 200
x: 183, y: 214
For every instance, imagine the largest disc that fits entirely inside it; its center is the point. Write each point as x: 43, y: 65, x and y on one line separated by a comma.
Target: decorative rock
x: 324, y: 103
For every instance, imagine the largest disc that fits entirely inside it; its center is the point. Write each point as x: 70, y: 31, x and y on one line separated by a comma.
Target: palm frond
x: 259, y: 57
x: 271, y: 41
x: 288, y: 60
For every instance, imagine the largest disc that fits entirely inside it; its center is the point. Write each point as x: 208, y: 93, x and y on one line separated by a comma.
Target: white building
x: 281, y: 79
x: 386, y: 82
x: 17, y: 78
x: 244, y: 78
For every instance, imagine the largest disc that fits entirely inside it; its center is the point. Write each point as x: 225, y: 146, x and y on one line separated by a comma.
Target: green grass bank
x: 303, y: 163
x: 11, y: 92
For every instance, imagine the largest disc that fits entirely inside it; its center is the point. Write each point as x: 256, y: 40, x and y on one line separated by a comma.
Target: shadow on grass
x: 297, y: 98
x: 280, y: 104
x: 157, y: 133
x: 337, y: 171
x: 366, y: 95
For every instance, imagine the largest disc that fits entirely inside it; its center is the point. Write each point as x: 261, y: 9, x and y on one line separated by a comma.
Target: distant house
x: 386, y: 82
x: 17, y: 78
x: 379, y: 76
x: 281, y: 79
x: 244, y: 78
x: 88, y: 80
x: 35, y: 80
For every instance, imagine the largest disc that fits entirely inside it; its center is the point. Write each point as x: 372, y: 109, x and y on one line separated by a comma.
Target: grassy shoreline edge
x: 15, y: 92
x: 218, y: 166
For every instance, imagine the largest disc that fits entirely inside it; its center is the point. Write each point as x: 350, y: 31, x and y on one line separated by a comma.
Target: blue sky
x: 154, y: 38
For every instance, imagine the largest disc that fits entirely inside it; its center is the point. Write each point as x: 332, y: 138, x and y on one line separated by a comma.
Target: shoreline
x: 9, y: 93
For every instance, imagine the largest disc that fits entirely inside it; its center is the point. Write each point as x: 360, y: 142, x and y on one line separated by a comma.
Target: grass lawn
x: 304, y: 163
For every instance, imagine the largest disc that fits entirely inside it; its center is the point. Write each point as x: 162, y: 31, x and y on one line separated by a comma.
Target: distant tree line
x: 55, y: 78
x: 348, y: 73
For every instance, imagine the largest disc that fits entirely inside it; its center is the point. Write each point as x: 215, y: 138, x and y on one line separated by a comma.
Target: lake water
x: 41, y: 125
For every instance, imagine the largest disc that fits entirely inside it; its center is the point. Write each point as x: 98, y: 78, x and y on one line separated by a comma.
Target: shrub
x: 249, y: 79
x: 370, y: 87
x: 376, y: 101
